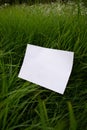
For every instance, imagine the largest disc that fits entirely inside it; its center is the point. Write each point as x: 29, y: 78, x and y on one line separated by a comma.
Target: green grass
x: 26, y: 106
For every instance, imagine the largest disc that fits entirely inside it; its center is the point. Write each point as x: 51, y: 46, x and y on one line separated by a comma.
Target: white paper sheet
x: 49, y: 68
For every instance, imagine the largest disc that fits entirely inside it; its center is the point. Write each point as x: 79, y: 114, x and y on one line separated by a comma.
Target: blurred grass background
x: 25, y: 1
x: 26, y: 106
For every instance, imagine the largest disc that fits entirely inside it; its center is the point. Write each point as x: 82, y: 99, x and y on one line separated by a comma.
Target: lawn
x: 24, y: 105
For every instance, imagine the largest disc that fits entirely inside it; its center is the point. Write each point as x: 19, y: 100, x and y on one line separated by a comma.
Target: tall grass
x: 26, y: 106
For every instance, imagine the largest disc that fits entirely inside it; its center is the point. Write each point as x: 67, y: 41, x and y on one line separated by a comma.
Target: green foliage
x: 25, y: 1
x: 26, y: 106
x: 73, y: 124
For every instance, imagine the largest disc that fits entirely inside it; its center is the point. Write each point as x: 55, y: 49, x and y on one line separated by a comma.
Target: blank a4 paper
x: 49, y: 68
